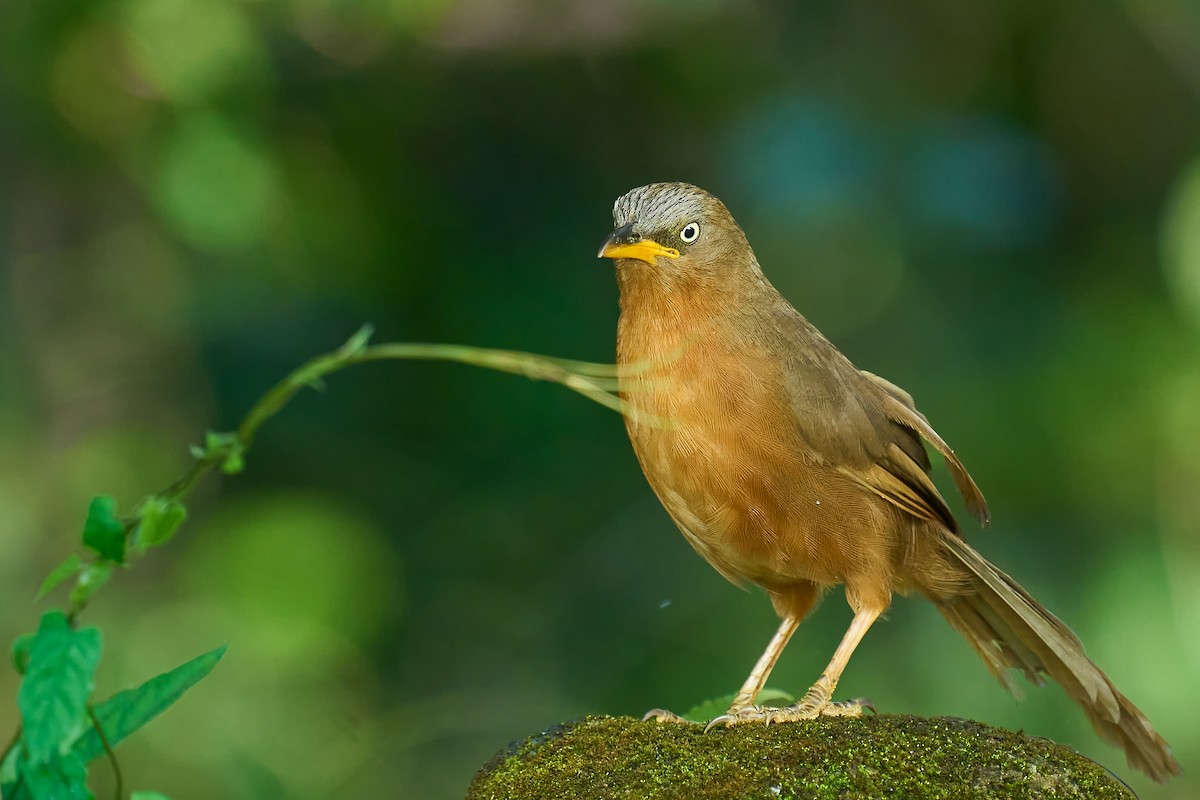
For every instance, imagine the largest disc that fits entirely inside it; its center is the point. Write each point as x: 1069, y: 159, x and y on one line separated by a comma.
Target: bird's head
x: 674, y: 227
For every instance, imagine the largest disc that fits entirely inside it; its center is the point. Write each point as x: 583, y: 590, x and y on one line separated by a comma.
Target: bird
x: 786, y: 466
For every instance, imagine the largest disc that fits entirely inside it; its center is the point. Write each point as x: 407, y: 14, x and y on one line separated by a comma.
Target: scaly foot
x: 815, y: 703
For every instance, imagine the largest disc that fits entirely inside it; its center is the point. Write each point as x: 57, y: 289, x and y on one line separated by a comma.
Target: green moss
x: 871, y: 757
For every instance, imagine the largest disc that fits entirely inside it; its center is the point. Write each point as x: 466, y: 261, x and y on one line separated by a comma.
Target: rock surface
x: 606, y: 758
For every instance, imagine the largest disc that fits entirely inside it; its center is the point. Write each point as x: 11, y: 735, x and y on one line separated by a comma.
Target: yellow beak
x: 623, y: 243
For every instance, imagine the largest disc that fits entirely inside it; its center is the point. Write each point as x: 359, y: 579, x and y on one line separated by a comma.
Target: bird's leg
x: 762, y: 670
x: 743, y: 708
x: 744, y: 701
x: 817, y: 701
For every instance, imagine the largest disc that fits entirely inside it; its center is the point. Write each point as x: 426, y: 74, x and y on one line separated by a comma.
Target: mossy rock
x: 871, y: 757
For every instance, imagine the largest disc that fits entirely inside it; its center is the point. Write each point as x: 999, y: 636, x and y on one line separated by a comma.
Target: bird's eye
x: 690, y: 233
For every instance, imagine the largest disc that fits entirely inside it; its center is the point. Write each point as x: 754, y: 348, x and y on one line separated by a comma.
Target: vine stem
x: 118, y: 779
x: 595, y: 381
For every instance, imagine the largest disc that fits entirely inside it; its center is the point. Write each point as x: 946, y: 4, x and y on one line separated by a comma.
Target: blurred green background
x: 994, y: 204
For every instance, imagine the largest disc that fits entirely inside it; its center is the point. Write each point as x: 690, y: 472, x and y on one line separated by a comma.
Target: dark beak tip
x: 622, y: 235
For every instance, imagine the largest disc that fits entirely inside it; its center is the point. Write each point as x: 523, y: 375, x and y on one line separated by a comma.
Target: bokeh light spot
x: 219, y: 190
x: 189, y: 50
x: 1181, y: 242
x: 988, y: 180
x: 293, y: 565
x: 801, y: 156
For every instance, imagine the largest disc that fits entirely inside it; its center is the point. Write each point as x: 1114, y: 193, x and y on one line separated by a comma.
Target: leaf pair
x: 153, y: 523
x: 59, y: 734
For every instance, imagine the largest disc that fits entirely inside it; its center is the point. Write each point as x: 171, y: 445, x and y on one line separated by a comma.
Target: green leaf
x: 66, y: 569
x: 62, y: 778
x: 20, y: 652
x: 148, y: 796
x: 233, y: 463
x: 58, y: 681
x: 711, y: 709
x: 91, y: 578
x: 224, y: 449
x: 358, y: 342
x: 125, y: 712
x: 159, y: 519
x: 102, y: 531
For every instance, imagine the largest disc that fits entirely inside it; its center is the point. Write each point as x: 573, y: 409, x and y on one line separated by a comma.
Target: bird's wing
x: 900, y: 409
x: 868, y: 428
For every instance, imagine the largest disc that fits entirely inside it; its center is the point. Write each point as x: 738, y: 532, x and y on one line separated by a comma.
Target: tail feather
x: 1009, y: 629
x: 979, y: 625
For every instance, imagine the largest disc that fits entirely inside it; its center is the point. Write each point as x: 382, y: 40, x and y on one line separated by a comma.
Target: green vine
x: 62, y: 730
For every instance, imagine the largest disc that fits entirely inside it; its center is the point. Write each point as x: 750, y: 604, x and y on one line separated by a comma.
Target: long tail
x: 1009, y: 629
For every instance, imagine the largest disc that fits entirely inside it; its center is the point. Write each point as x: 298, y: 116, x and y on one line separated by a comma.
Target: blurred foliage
x: 61, y: 729
x: 995, y: 205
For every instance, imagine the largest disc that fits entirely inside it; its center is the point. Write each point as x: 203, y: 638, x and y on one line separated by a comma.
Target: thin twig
x: 108, y: 751
x: 597, y: 382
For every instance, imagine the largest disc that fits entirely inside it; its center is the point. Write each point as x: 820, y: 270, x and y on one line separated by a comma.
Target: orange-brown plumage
x: 786, y: 466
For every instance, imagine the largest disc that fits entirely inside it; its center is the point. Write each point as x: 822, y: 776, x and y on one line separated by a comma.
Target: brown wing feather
x: 900, y: 481
x: 911, y: 418
x: 868, y: 427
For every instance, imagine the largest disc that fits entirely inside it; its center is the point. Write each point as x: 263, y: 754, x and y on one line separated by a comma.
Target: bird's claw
x: 662, y: 715
x: 738, y: 716
x: 814, y: 704
x: 807, y: 708
x: 863, y: 703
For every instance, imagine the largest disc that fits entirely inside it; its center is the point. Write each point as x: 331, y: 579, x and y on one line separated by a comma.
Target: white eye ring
x: 690, y: 233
